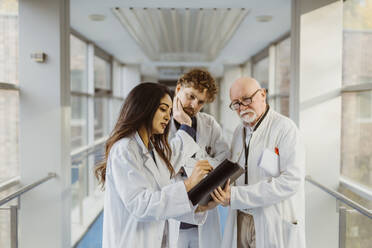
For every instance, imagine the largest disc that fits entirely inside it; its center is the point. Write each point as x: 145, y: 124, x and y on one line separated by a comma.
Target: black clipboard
x: 200, y: 193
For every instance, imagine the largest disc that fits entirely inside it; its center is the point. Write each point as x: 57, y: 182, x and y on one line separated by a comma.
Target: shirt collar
x: 193, y: 123
x: 250, y: 129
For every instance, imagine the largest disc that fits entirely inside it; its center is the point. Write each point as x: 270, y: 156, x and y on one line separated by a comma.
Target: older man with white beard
x: 267, y: 207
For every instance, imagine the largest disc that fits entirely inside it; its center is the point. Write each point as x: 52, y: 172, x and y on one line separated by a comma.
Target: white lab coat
x: 277, y: 204
x: 140, y: 196
x: 208, y: 134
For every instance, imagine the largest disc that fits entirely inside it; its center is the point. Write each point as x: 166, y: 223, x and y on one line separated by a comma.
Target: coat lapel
x: 238, y: 146
x: 201, y: 128
x: 149, y: 162
x: 164, y: 175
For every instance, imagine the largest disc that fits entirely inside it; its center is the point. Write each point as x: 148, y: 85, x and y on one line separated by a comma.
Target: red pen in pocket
x: 277, y: 151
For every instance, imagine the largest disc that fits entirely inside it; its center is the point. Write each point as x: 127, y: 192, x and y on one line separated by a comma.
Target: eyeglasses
x: 235, y: 105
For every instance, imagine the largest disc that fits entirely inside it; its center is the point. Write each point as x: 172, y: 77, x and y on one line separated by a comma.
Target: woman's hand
x: 202, y: 167
x: 179, y: 114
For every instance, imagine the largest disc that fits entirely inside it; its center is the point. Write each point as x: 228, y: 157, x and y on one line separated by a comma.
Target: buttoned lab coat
x: 276, y: 203
x: 140, y: 196
x: 209, y: 139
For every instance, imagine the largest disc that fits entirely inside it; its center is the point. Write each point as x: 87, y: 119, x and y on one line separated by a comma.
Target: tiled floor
x: 93, y: 238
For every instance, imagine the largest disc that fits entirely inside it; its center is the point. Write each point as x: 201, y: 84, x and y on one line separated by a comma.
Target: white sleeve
x: 145, y: 203
x: 183, y: 146
x: 269, y: 192
x: 193, y: 217
x: 219, y: 146
x: 219, y: 149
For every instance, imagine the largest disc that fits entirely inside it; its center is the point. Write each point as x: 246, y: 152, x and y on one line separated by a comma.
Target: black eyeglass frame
x: 245, y: 101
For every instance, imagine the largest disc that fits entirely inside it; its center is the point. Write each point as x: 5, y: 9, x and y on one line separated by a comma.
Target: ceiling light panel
x: 181, y: 34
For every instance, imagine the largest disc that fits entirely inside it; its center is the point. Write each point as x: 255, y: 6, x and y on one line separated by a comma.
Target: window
x: 79, y: 121
x: 100, y: 111
x: 357, y: 104
x: 94, y: 106
x: 282, y: 76
x: 357, y: 35
x: 79, y: 93
x: 102, y: 74
x: 9, y: 41
x: 9, y: 96
x: 356, y: 129
x: 9, y: 106
x: 261, y: 72
x: 271, y: 68
x: 9, y: 166
x: 357, y: 137
x: 78, y: 64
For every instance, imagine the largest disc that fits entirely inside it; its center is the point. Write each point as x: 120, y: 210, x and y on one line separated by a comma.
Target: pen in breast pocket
x: 277, y: 151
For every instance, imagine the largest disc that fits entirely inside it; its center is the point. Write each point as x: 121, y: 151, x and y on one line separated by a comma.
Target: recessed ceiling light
x: 97, y: 17
x: 264, y: 18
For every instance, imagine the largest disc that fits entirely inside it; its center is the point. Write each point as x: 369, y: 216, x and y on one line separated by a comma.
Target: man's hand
x: 202, y: 167
x: 179, y: 114
x: 222, y: 196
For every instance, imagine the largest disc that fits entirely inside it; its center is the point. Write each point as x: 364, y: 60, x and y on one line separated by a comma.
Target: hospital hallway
x: 67, y: 66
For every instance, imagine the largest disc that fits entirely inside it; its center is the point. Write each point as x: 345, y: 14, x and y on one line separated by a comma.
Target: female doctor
x: 142, y: 202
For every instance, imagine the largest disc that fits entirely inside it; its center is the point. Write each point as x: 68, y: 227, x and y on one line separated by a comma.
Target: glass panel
x: 5, y: 217
x: 117, y: 80
x: 117, y: 103
x: 9, y: 41
x: 79, y: 119
x: 99, y: 117
x: 358, y: 226
x: 321, y: 215
x: 79, y: 182
x: 272, y: 103
x: 99, y: 153
x: 280, y: 104
x: 284, y: 105
x: 357, y: 44
x: 358, y: 230
x: 102, y: 74
x: 282, y: 67
x: 356, y: 156
x: 261, y: 72
x: 78, y: 65
x: 4, y: 228
x: 9, y: 104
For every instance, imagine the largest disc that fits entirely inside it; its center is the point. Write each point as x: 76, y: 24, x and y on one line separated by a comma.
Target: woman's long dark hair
x: 138, y: 110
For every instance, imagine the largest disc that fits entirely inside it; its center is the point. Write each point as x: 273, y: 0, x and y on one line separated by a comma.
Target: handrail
x: 87, y: 148
x: 361, y: 190
x: 8, y: 86
x: 26, y: 188
x: 10, y: 183
x: 341, y: 198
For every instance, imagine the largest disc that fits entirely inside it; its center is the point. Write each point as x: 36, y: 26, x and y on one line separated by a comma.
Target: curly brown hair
x: 200, y: 79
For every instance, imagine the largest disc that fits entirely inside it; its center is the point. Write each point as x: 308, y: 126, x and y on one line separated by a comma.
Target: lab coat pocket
x: 269, y: 162
x: 291, y: 234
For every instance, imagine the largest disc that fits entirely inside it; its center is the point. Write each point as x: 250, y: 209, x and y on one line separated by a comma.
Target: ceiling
x: 249, y: 38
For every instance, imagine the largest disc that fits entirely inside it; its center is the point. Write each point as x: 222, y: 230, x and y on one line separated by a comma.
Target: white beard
x: 246, y: 118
